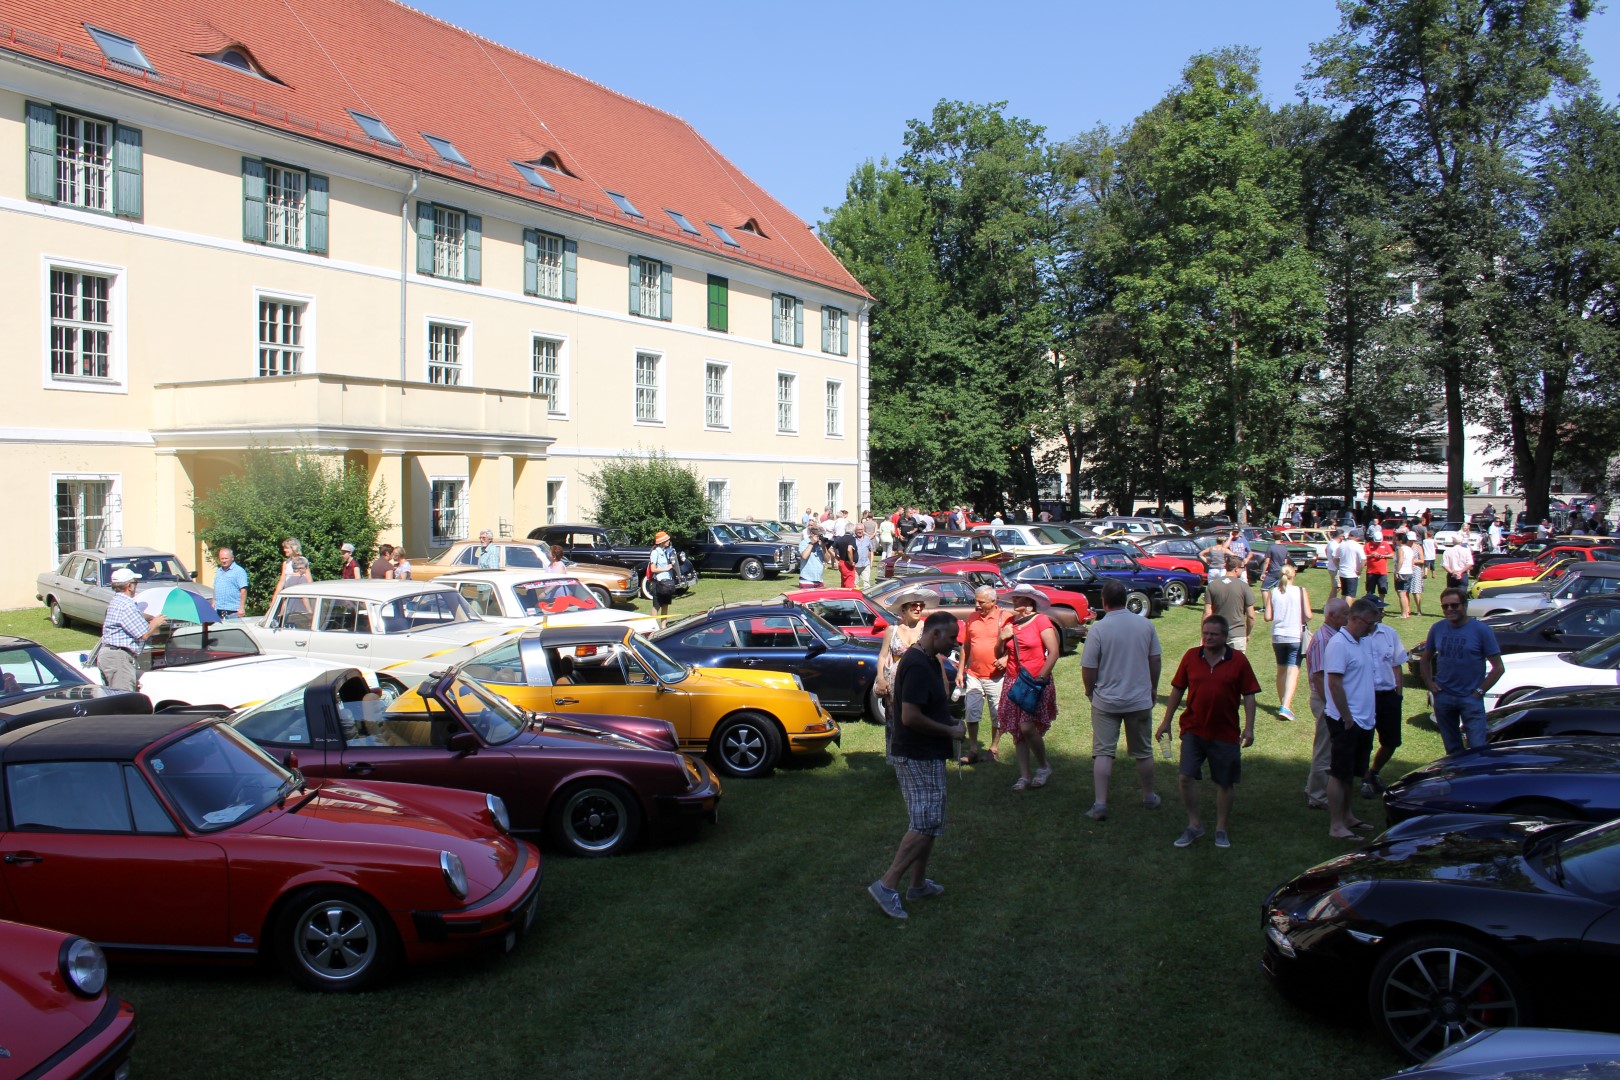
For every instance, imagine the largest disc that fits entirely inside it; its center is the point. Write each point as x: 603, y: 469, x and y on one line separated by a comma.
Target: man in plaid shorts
x: 921, y: 743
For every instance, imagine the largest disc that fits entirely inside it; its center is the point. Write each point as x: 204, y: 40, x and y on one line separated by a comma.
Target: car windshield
x: 824, y: 629
x: 149, y: 567
x: 174, y: 645
x: 752, y: 532
x: 955, y: 547
x: 28, y: 669
x: 1047, y: 535
x: 724, y: 535
x: 423, y: 611
x: 1591, y: 860
x: 549, y: 596
x: 617, y: 538
x: 215, y: 777
x: 1603, y: 655
x: 657, y: 659
x: 495, y: 719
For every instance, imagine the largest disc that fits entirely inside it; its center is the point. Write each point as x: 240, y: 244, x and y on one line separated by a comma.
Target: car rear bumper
x: 509, y: 909
x: 701, y: 802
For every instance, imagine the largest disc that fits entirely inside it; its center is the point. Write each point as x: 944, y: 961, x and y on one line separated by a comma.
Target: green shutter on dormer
x: 827, y: 318
x: 317, y: 215
x: 424, y: 238
x: 41, y: 151
x: 127, y: 171
x: 570, y: 271
x: 473, y: 261
x: 253, y: 200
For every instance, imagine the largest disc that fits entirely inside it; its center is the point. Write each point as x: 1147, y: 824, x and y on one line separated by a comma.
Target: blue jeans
x: 1466, y: 711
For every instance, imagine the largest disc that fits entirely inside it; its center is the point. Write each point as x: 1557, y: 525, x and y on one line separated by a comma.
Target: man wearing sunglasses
x: 1455, y: 658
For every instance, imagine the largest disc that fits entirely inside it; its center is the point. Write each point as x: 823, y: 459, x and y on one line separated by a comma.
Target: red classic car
x: 56, y: 1017
x: 1068, y: 611
x: 168, y: 834
x: 852, y: 611
x: 925, y: 552
x: 1501, y: 570
x: 590, y: 782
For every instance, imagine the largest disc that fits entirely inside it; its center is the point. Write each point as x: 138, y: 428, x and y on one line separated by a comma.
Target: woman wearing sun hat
x: 911, y: 603
x: 661, y: 568
x: 1030, y: 643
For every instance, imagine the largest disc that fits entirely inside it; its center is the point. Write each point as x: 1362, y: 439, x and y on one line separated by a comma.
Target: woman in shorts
x: 1288, y: 609
x: 1412, y: 590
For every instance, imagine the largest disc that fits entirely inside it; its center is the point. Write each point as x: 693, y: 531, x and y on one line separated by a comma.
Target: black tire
x: 1138, y: 603
x: 317, y: 920
x: 1540, y: 808
x: 604, y: 599
x: 1431, y: 991
x: 594, y: 818
x: 1175, y: 593
x: 751, y: 570
x: 746, y: 745
x: 59, y: 618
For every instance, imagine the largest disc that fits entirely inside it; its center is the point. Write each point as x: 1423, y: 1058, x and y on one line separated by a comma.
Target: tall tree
x: 1455, y: 89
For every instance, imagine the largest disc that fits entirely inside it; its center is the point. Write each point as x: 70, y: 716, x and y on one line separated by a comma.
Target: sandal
x: 968, y: 759
x: 1021, y: 783
x: 1038, y: 781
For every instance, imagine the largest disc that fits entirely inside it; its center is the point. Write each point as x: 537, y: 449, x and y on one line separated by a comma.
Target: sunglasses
x: 1453, y: 604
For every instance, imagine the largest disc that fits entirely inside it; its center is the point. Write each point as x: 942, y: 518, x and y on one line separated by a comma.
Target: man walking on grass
x: 1389, y: 672
x: 1231, y: 598
x: 1120, y: 670
x: 921, y: 743
x: 1334, y: 617
x: 1214, y: 678
x: 1351, y: 712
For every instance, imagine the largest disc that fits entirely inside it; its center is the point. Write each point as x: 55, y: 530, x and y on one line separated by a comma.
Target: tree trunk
x: 1237, y: 501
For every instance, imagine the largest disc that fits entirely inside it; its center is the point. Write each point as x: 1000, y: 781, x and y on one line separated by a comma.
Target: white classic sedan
x: 538, y: 598
x: 215, y: 664
x: 1595, y: 665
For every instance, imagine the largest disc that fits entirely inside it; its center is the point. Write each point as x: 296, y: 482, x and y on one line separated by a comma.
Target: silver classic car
x: 81, y: 588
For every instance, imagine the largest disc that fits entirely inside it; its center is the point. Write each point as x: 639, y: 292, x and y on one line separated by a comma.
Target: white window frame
x: 833, y: 393
x: 544, y: 270
x: 792, y: 413
x: 306, y: 361
x: 649, y: 294
x: 835, y: 495
x: 787, y: 508
x: 725, y: 395
x: 556, y: 508
x: 117, y: 380
x: 449, y: 243
x: 661, y: 382
x: 113, y: 511
x: 463, y: 350
x: 721, y: 509
x: 784, y: 308
x: 74, y: 164
x: 459, y: 532
x: 838, y: 330
x: 293, y: 217
x: 557, y: 406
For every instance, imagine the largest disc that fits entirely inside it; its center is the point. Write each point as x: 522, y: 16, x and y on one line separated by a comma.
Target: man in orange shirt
x: 981, y: 673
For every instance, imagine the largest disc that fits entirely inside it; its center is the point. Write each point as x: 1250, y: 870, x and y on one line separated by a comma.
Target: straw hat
x: 915, y: 594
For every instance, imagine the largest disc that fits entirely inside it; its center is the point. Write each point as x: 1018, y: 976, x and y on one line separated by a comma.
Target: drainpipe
x: 404, y: 264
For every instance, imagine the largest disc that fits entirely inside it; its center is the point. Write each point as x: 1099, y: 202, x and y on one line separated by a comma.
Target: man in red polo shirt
x: 1214, y: 678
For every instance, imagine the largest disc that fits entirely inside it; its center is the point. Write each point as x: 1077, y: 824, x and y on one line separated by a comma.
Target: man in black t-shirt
x: 923, y: 734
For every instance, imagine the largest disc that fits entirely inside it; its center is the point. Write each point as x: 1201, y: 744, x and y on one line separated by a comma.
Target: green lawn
x: 1061, y: 946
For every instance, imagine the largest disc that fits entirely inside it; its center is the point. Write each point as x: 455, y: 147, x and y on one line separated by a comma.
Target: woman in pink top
x: 1030, y: 643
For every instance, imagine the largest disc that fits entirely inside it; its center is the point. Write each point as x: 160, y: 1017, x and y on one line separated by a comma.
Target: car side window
x: 841, y: 612
x: 954, y: 593
x: 67, y: 796
x: 502, y: 664
x: 1007, y: 536
x: 775, y: 632
x: 523, y: 557
x: 718, y: 635
x: 467, y: 556
x: 91, y: 574
x: 480, y: 596
x: 343, y: 616
x: 71, y: 568
x: 1034, y: 572
x: 150, y: 817
x: 293, y: 613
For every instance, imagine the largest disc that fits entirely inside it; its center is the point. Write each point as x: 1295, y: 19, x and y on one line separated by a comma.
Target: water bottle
x: 1164, y: 746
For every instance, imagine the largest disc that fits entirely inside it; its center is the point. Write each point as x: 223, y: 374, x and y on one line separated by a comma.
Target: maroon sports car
x: 56, y: 1018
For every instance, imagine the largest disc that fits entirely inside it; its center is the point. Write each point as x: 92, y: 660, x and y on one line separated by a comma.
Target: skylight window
x: 532, y: 175
x: 624, y: 204
x: 680, y: 219
x: 446, y: 150
x: 725, y: 237
x: 375, y: 128
x: 119, y: 49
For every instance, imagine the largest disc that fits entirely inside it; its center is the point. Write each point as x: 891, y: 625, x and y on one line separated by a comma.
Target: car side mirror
x: 194, y: 575
x: 463, y: 742
x: 816, y: 648
x: 1551, y: 632
x: 880, y: 624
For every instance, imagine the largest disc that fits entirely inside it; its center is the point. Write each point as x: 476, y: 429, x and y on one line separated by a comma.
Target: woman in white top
x: 1288, y: 609
x: 1406, y: 572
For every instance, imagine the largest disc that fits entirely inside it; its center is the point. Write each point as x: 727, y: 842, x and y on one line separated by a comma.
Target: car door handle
x: 565, y: 701
x: 301, y: 641
x: 359, y: 768
x: 23, y: 857
x: 752, y: 661
x: 362, y: 644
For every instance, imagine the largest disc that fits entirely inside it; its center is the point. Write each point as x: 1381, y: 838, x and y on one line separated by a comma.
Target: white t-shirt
x: 1118, y: 648
x: 1333, y: 556
x: 1351, y: 559
x: 1405, y: 560
x: 1428, y: 549
x: 1286, y: 609
x: 1457, y: 560
x: 1387, y: 651
x: 1352, y: 659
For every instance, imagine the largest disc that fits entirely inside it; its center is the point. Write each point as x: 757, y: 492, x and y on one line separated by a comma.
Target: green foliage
x: 280, y: 494
x: 643, y: 493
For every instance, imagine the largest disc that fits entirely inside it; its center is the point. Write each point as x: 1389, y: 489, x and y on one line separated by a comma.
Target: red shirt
x: 1214, y: 693
x: 1026, y: 648
x: 1378, y: 557
x: 982, y: 632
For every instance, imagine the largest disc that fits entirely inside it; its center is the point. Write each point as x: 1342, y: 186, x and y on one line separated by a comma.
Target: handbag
x: 1027, y: 691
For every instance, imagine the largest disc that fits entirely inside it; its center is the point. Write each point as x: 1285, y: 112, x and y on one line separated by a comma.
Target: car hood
x: 728, y: 680
x: 601, y: 729
x: 1589, y: 754
x: 47, y: 1015
x: 92, y: 698
x: 1455, y: 849
x: 1518, y: 666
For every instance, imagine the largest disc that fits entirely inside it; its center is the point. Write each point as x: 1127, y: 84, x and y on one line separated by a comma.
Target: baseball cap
x: 1376, y: 601
x: 123, y: 576
x: 348, y: 547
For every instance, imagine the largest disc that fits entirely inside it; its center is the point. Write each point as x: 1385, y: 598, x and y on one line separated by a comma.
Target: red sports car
x: 56, y: 1018
x: 169, y: 834
x: 980, y: 572
x: 1517, y: 568
x: 852, y: 611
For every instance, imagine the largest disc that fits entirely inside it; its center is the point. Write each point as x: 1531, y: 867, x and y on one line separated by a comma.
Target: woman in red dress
x: 1030, y: 643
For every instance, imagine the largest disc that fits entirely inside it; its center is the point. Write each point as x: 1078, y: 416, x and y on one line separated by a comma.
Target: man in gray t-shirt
x: 1233, y: 600
x: 1120, y: 670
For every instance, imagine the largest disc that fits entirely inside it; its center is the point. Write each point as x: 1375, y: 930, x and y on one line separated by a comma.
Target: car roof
x: 495, y: 577
x: 1595, y: 569
x: 365, y: 588
x: 90, y: 738
x: 12, y: 641
x: 574, y: 525
x: 578, y: 635
x: 120, y: 552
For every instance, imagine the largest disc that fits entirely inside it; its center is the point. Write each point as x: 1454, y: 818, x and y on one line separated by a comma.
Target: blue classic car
x: 780, y: 636
x: 1085, y: 571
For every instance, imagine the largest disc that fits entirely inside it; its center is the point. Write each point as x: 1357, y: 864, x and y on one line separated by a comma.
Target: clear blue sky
x: 798, y: 97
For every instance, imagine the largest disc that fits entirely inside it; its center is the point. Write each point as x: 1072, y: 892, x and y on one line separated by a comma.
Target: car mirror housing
x: 880, y: 624
x: 463, y: 742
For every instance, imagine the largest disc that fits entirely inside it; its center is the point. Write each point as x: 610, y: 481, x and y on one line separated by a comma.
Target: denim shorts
x: 1286, y: 652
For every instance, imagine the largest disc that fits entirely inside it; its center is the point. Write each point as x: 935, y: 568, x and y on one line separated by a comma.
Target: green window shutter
x: 531, y: 262
x: 424, y: 238
x: 719, y: 304
x: 798, y: 322
x: 472, y: 262
x: 635, y: 285
x: 827, y: 317
x: 317, y: 215
x: 570, y: 271
x: 41, y: 151
x: 665, y: 276
x: 127, y: 167
x: 253, y: 200
x: 843, y: 333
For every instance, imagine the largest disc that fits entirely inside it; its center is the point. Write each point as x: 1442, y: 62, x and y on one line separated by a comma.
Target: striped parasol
x: 180, y: 605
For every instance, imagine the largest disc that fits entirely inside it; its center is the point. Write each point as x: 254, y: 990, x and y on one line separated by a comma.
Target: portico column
x: 175, y: 521
x: 385, y: 472
x: 489, y: 504
x: 529, y: 494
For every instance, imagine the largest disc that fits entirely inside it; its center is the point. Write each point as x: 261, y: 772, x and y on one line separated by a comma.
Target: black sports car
x: 1561, y: 629
x: 1577, y: 779
x: 36, y: 684
x: 780, y: 636
x: 1563, y: 713
x: 1450, y: 925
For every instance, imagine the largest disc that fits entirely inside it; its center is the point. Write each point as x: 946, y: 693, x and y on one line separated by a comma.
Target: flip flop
x: 1364, y: 826
x: 1020, y: 784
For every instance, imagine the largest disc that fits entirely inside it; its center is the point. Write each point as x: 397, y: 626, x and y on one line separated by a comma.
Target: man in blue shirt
x: 1454, y: 662
x: 230, y: 585
x: 812, y: 560
x: 489, y: 556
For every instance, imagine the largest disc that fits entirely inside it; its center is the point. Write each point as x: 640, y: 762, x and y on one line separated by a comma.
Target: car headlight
x: 693, y: 776
x: 84, y: 966
x: 497, y: 812
x: 797, y: 681
x: 455, y: 874
x: 1426, y: 789
x: 1339, y: 902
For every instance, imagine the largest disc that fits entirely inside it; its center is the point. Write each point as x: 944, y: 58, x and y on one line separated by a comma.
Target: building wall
x: 186, y: 303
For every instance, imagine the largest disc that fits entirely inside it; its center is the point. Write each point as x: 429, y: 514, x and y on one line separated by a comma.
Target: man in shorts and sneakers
x: 1389, y: 672
x: 1120, y: 670
x: 1351, y: 714
x: 920, y: 745
x: 1214, y: 678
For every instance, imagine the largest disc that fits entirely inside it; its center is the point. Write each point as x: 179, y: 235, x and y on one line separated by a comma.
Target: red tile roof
x: 419, y: 74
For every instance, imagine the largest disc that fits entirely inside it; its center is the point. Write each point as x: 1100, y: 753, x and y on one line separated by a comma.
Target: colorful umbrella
x: 180, y: 605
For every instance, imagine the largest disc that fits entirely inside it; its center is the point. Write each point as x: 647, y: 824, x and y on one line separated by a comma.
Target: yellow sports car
x: 743, y: 721
x: 1545, y: 576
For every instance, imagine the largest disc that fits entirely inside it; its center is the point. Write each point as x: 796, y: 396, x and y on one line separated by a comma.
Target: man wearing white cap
x: 122, y: 632
x: 351, y: 569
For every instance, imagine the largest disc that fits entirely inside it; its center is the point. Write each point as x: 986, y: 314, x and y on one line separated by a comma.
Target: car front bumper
x: 702, y: 802
x: 818, y: 736
x: 506, y: 912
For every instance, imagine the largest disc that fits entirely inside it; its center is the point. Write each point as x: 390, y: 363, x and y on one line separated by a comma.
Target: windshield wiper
x: 295, y: 782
